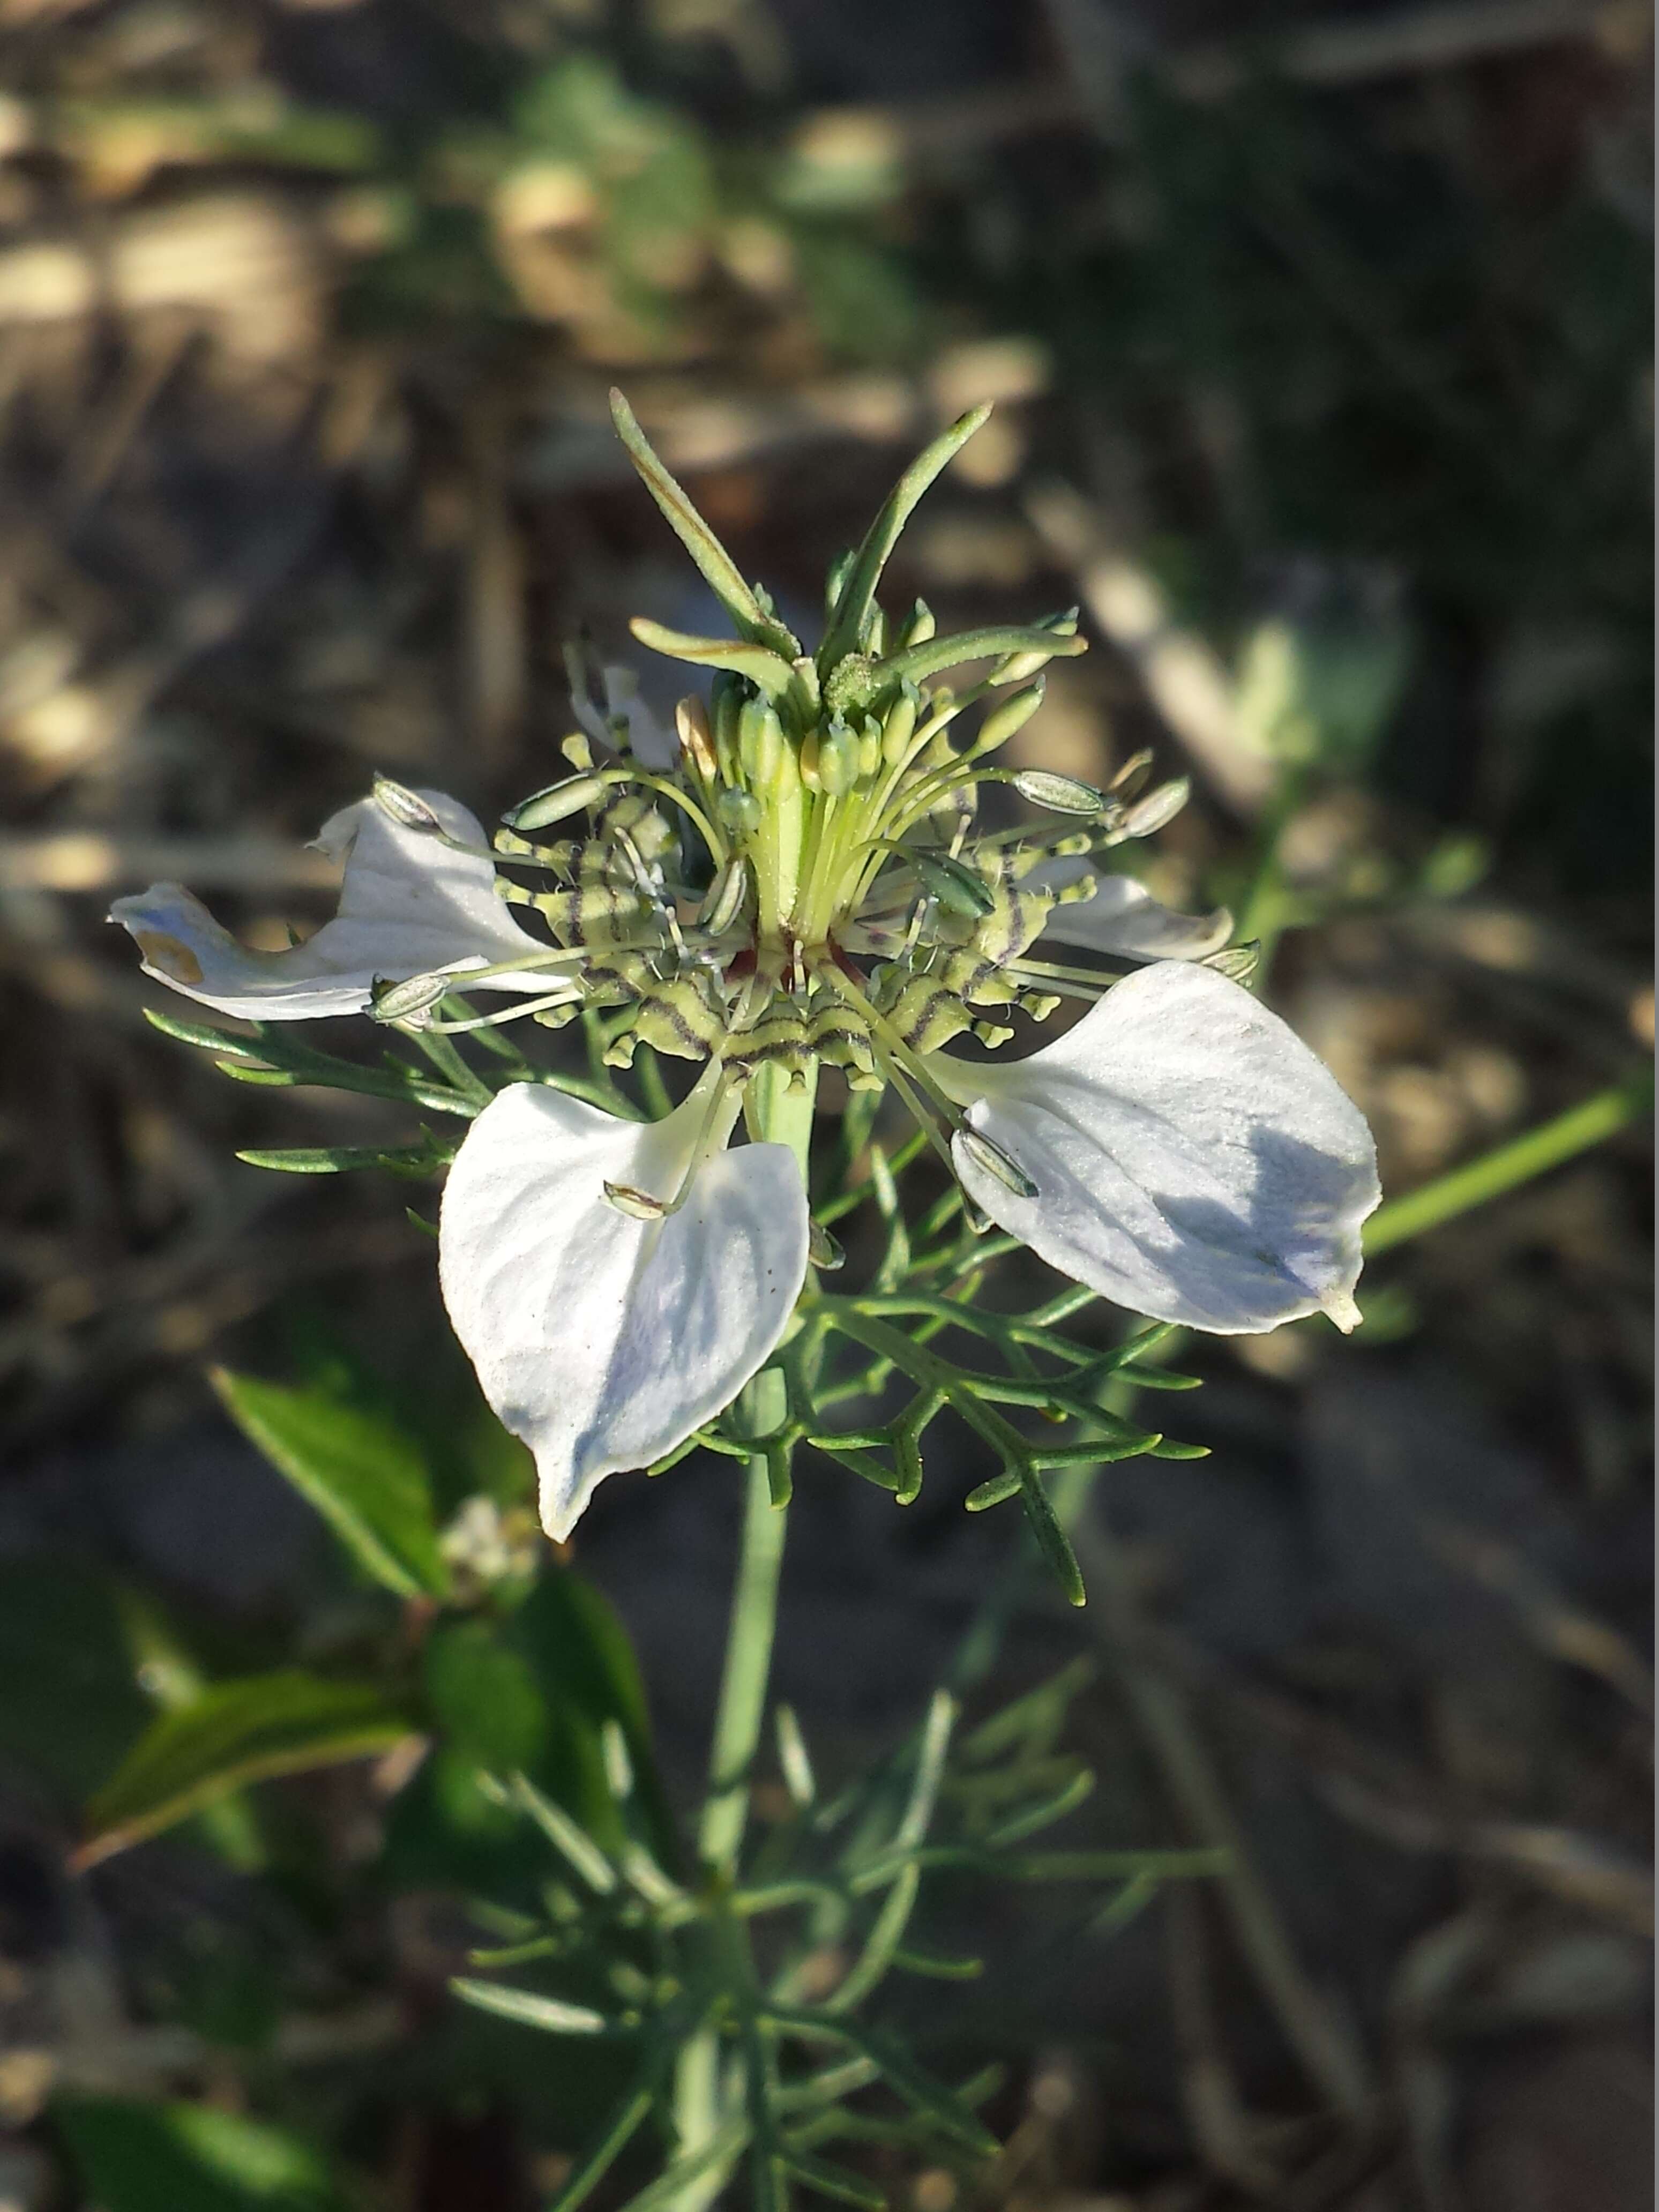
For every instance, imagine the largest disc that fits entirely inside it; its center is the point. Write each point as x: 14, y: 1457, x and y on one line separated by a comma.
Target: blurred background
x: 1319, y: 341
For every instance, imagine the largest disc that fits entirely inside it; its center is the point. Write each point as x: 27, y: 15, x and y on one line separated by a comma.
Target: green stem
x: 1509, y: 1165
x: 1264, y: 911
x: 776, y: 1115
x: 748, y: 1642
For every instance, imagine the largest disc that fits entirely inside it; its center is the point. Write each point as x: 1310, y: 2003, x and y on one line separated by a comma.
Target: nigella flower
x: 805, y: 883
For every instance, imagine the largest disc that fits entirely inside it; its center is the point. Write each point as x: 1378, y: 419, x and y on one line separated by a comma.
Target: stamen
x: 641, y: 1204
x: 897, y: 1057
x: 518, y: 1012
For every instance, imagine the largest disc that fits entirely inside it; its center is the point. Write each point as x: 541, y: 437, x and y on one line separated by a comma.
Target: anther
x: 637, y: 1204
x: 557, y: 803
x: 696, y: 735
x: 1061, y: 794
x: 408, y: 1000
x: 724, y: 903
x: 407, y: 808
x: 990, y: 1155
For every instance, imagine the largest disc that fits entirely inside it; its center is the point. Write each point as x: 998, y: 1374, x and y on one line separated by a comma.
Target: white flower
x: 411, y: 904
x: 1192, y: 1159
x: 601, y: 1338
x: 800, y: 881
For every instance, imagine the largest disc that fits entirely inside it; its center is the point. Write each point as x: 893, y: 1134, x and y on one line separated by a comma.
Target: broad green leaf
x: 136, y: 2157
x: 484, y: 1697
x: 235, y: 1733
x: 367, y: 1478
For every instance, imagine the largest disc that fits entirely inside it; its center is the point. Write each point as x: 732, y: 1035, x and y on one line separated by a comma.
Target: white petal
x: 602, y: 1340
x: 1193, y: 1161
x: 1124, y: 919
x: 409, y: 906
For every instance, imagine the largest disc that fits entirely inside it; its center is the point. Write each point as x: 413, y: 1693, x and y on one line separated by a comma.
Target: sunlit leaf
x: 366, y: 1477
x: 235, y: 1733
x: 134, y: 2157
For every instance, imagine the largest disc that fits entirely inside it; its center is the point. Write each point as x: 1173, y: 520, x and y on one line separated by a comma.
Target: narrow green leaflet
x: 235, y: 1733
x: 366, y: 1477
x: 719, y: 571
x: 139, y: 2157
x: 530, y: 2009
x: 758, y: 663
x: 918, y: 662
x: 857, y: 594
x: 422, y: 1159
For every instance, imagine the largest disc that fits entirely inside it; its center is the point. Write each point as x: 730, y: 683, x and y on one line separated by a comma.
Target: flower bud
x: 760, y: 743
x: 739, y: 812
x: 558, y: 801
x: 838, y: 759
x: 1013, y: 716
x: 870, y: 750
x: 919, y: 627
x: 1160, y: 806
x: 900, y: 726
x: 1020, y: 665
